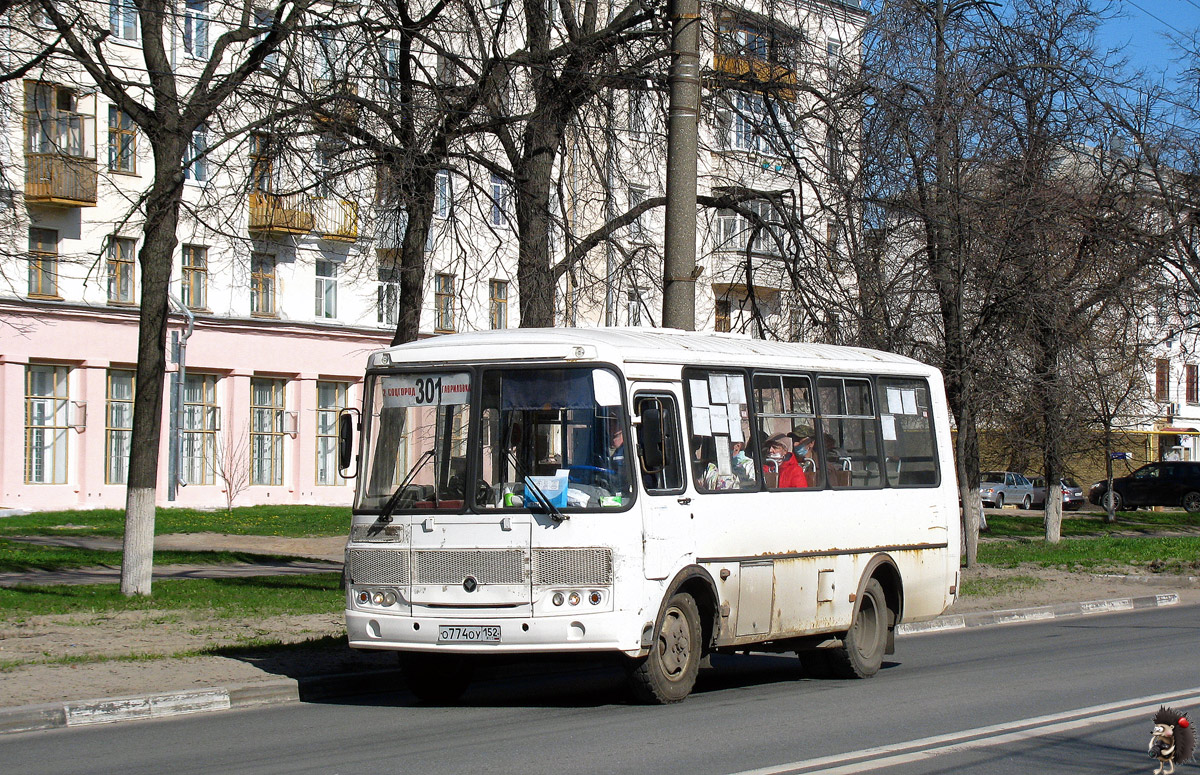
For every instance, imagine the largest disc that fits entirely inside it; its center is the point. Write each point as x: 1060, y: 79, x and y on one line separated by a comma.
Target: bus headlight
x: 377, y: 598
x: 595, y: 597
x: 557, y: 599
x: 573, y: 598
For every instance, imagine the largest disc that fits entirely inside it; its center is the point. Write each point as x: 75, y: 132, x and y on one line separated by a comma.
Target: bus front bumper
x: 606, y: 631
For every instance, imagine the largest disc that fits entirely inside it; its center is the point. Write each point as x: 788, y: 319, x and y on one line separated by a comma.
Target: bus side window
x: 849, y: 436
x: 908, y: 435
x: 718, y: 405
x: 668, y: 477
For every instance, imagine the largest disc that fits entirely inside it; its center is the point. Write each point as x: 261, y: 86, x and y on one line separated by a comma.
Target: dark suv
x: 1169, y: 483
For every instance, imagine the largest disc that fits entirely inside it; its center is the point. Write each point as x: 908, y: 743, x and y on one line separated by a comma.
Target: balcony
x: 766, y: 75
x: 337, y: 220
x: 59, y: 180
x: 280, y: 214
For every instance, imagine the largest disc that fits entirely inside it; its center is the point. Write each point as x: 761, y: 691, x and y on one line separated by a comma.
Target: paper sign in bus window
x: 700, y: 421
x: 699, y: 390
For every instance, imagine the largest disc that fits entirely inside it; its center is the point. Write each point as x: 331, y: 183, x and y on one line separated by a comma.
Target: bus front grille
x: 486, y: 566
x: 377, y: 566
x: 572, y: 567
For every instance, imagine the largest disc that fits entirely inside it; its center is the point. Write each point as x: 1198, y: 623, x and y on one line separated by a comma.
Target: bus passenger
x: 778, y: 451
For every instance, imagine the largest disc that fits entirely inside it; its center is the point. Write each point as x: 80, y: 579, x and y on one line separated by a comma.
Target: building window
x: 195, y: 167
x: 195, y: 29
x: 633, y: 307
x: 639, y: 109
x: 122, y: 141
x: 201, y: 421
x: 499, y: 214
x: 43, y: 263
x: 759, y: 232
x: 1162, y: 379
x: 387, y: 289
x: 1193, y: 383
x: 443, y: 298
x: 46, y: 424
x: 266, y: 431
x: 638, y: 233
x: 118, y: 426
x: 262, y: 284
x: 123, y: 19
x: 833, y: 54
x: 326, y: 291
x: 443, y: 195
x: 194, y: 278
x: 499, y: 303
x: 53, y: 123
x: 833, y: 151
x: 721, y: 323
x: 120, y: 270
x: 262, y: 163
x: 331, y: 399
x: 747, y: 39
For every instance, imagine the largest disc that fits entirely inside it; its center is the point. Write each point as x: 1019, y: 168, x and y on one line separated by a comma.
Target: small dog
x: 1172, y: 740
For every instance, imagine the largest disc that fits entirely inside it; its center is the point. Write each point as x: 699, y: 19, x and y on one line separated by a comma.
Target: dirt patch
x: 1032, y: 585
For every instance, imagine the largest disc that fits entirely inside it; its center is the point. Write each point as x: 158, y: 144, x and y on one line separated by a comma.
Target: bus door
x: 667, y: 535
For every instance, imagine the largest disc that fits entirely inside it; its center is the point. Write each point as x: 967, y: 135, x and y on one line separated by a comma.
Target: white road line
x: 981, y: 737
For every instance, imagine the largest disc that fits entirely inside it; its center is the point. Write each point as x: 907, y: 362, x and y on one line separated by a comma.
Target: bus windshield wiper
x: 538, y: 495
x: 385, y: 514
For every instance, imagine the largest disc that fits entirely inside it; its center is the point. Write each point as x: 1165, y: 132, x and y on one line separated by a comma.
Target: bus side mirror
x: 345, y: 436
x: 650, y: 438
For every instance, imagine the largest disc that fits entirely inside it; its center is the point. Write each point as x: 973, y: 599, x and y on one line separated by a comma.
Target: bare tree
x: 231, y: 464
x: 167, y: 109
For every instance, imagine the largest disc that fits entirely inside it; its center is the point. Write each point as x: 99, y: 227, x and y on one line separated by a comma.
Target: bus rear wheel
x: 861, y: 652
x: 435, y: 678
x: 669, y: 672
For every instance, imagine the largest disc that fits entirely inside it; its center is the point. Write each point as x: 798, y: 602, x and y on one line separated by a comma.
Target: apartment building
x: 285, y: 278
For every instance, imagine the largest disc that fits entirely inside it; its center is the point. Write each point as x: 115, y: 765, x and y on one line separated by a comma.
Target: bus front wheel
x: 435, y: 678
x: 861, y: 652
x: 668, y: 673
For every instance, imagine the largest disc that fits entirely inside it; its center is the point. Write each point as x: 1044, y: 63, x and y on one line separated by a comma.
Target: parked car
x: 1169, y: 483
x: 1072, y: 493
x: 997, y: 488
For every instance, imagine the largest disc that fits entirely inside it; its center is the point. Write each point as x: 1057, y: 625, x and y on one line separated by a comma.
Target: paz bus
x: 657, y: 494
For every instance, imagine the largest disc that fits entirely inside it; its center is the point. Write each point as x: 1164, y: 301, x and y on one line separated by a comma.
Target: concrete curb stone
x: 76, y: 713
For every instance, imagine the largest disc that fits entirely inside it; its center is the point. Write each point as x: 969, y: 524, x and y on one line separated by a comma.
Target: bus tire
x: 861, y: 652
x: 435, y: 678
x: 669, y: 672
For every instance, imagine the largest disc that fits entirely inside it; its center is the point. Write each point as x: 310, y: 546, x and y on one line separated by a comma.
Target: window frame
x: 271, y: 419
x: 675, y: 449
x: 326, y: 289
x: 193, y: 277
x: 119, y: 262
x: 43, y: 264
x: 202, y: 434
x: 122, y: 142
x: 263, y: 302
x: 115, y: 433
x: 443, y: 302
x: 498, y: 303
x: 327, y: 431
x: 58, y: 426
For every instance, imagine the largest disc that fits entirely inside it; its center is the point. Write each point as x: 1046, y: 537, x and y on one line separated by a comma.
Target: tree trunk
x: 412, y: 258
x: 535, y: 276
x: 156, y: 259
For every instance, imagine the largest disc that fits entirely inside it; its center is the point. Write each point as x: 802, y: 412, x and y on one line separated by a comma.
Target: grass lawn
x: 294, y: 521
x: 1159, y: 554
x: 255, y: 596
x: 1090, y: 524
x: 17, y: 556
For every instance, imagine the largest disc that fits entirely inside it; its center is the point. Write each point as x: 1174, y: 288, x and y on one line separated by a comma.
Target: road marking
x: 872, y: 759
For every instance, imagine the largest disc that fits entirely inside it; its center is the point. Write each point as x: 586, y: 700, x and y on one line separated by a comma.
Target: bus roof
x: 643, y: 345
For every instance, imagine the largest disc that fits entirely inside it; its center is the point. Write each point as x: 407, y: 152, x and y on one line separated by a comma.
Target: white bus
x: 771, y: 497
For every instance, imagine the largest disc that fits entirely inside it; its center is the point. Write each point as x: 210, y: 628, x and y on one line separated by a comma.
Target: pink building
x: 259, y: 407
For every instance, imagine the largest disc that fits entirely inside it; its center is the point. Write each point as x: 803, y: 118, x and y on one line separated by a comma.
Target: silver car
x: 997, y: 488
x: 1072, y: 494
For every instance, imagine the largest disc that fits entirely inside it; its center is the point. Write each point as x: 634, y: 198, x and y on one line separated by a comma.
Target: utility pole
x: 679, y: 268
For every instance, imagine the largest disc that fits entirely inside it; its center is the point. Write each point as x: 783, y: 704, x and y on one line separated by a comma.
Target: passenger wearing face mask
x: 779, y: 456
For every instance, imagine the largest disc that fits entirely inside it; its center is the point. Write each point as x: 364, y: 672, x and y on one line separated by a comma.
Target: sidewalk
x: 53, y: 696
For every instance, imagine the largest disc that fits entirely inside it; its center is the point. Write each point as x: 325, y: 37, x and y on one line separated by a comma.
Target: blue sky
x: 1142, y: 25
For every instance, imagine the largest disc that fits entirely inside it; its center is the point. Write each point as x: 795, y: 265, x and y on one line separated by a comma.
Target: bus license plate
x: 469, y: 633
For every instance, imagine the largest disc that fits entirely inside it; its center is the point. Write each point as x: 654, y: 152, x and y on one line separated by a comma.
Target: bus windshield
x: 546, y: 438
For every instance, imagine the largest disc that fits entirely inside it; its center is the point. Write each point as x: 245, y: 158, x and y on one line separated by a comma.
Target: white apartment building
x: 283, y: 285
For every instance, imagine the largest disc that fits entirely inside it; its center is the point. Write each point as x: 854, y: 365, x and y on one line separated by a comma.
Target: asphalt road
x: 1064, y: 696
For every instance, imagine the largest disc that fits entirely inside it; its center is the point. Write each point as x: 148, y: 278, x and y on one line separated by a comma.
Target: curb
x: 1041, y: 613
x: 76, y: 713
